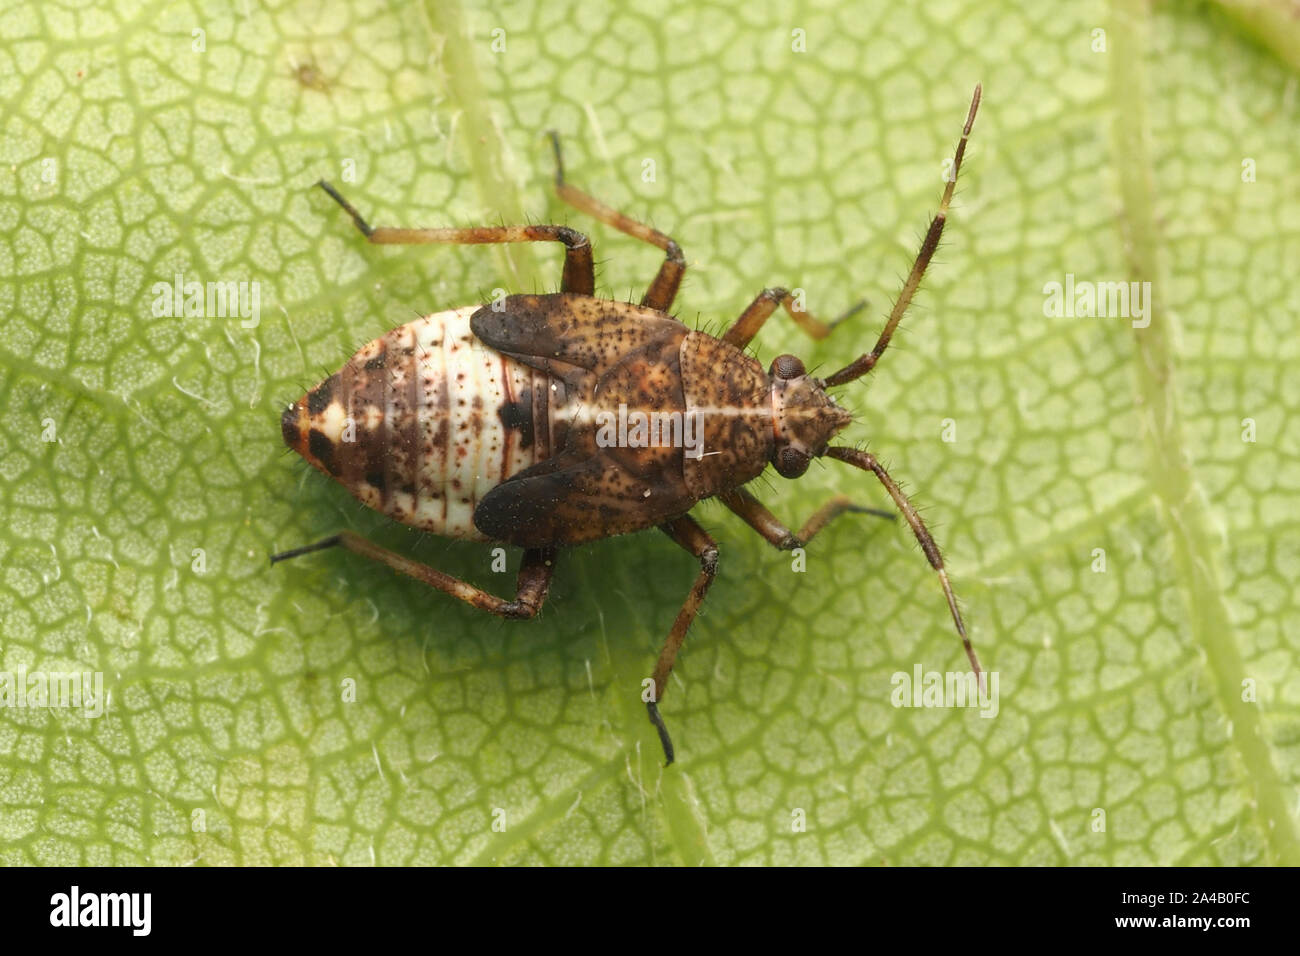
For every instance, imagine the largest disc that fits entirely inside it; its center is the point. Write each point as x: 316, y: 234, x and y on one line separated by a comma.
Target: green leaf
x: 1147, y: 713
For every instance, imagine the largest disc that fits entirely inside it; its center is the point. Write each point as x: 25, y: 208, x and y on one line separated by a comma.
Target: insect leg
x: 754, y: 514
x: 760, y: 310
x: 867, y: 462
x: 579, y: 269
x: 663, y: 289
x: 867, y: 362
x: 687, y: 533
x: 533, y: 582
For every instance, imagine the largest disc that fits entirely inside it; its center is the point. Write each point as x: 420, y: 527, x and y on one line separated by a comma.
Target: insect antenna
x: 867, y: 462
x: 867, y: 362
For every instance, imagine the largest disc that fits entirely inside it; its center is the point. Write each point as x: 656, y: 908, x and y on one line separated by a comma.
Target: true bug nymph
x: 483, y: 422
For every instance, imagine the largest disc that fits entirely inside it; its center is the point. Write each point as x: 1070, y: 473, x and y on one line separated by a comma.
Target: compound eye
x: 787, y: 366
x: 790, y: 462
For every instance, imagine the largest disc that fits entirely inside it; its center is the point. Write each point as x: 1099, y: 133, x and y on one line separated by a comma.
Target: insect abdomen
x: 425, y: 420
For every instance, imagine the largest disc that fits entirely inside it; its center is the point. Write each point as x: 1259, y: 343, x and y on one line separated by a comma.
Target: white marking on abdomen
x: 465, y: 463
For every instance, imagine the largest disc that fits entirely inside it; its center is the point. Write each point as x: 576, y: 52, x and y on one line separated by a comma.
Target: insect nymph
x: 490, y: 423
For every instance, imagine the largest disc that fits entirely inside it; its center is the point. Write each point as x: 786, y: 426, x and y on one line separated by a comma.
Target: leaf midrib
x: 1182, y: 507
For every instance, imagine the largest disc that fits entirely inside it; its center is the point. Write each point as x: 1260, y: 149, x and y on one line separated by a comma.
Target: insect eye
x: 790, y: 462
x: 787, y: 366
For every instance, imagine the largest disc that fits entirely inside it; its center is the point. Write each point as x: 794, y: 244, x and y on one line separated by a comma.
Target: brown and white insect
x: 490, y: 423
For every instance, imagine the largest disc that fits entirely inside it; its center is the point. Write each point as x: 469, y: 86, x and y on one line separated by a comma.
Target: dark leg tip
x: 559, y: 159
x: 877, y: 512
x: 653, y: 710
x: 306, y: 549
x: 334, y: 194
x: 848, y: 313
